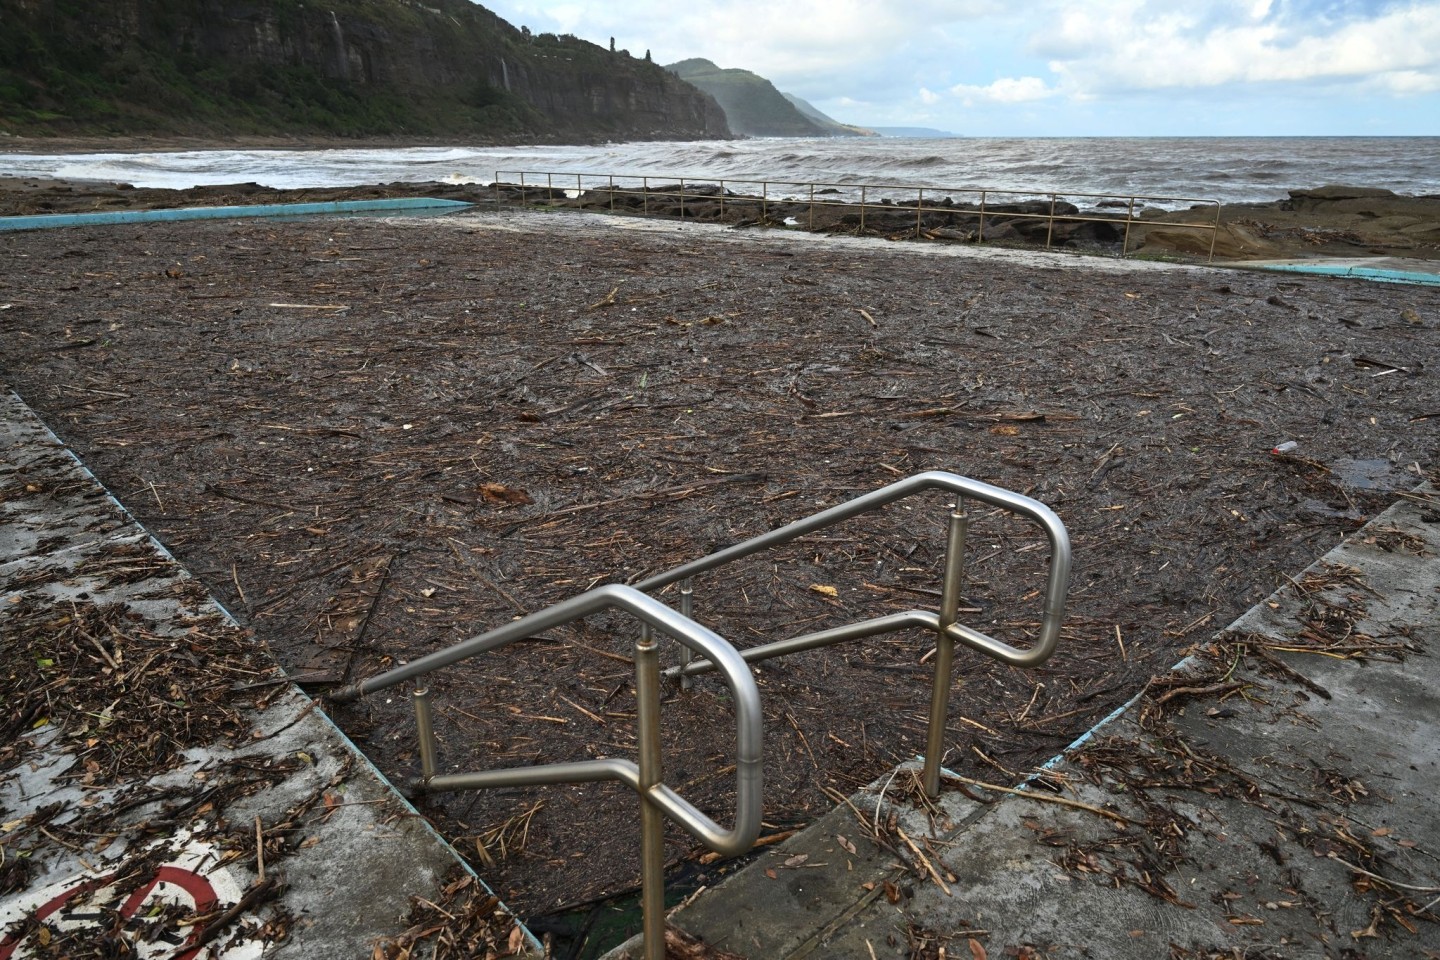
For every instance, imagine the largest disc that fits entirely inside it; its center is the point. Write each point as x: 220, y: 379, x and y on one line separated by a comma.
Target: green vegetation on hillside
x: 752, y: 105
x: 341, y: 68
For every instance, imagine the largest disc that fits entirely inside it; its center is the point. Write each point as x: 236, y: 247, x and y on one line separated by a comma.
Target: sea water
x: 1229, y: 169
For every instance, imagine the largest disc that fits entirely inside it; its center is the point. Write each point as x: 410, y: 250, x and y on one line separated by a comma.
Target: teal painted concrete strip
x: 1362, y: 273
x: 43, y: 221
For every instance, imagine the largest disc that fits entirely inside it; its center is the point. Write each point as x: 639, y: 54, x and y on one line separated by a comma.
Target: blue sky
x: 1055, y: 67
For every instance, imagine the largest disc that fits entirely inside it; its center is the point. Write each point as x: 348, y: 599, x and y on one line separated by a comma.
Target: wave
x: 1228, y: 169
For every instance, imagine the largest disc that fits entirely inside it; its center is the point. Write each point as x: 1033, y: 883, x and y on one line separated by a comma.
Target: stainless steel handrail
x: 1056, y: 585
x: 748, y: 721
x: 718, y: 655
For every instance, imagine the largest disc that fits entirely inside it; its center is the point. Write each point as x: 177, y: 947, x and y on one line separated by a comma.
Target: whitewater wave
x: 1239, y: 169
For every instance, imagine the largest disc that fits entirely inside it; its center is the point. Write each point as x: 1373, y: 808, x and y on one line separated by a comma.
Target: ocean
x: 1229, y: 169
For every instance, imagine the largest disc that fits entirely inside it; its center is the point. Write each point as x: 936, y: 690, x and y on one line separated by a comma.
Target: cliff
x: 752, y: 105
x: 830, y: 125
x: 397, y: 68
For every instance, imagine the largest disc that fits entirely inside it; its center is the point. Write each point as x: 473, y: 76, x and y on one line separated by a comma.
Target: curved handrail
x: 1057, y: 582
x: 707, y: 643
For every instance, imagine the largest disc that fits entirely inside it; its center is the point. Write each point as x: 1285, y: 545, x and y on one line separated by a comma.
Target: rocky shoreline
x: 1329, y: 221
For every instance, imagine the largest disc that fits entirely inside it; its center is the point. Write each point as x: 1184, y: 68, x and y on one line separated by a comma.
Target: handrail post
x: 1214, y: 234
x: 1129, y: 219
x: 687, y: 610
x: 1050, y: 231
x: 980, y: 235
x: 652, y: 820
x: 919, y: 208
x: 958, y: 527
x: 425, y: 732
x: 862, y: 210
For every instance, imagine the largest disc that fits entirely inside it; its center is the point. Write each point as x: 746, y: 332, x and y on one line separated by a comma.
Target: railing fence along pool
x: 979, y: 215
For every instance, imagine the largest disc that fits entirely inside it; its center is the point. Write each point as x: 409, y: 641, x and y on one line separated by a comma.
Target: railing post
x: 687, y: 610
x: 1129, y: 219
x: 1214, y: 234
x: 1050, y: 231
x: 425, y: 732
x: 959, y: 525
x: 862, y: 210
x: 612, y: 193
x: 652, y: 820
x: 980, y: 236
x: 919, y: 206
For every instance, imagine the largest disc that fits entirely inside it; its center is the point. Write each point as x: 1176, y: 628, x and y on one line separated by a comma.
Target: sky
x: 1055, y: 67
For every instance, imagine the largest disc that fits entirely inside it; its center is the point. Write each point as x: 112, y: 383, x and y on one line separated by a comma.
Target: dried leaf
x: 770, y: 872
x: 821, y: 588
x: 498, y: 493
x: 845, y: 844
x: 977, y: 950
x: 796, y: 860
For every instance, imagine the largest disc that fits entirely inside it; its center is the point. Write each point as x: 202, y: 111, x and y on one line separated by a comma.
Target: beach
x: 374, y: 437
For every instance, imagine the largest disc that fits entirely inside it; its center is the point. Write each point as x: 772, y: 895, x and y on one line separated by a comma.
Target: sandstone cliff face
x: 364, y: 67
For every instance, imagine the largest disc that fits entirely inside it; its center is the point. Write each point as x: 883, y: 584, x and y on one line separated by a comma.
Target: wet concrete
x: 346, y: 851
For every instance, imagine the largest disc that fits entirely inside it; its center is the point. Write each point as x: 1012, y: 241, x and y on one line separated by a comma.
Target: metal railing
x: 948, y: 632
x: 645, y: 777
x: 715, y: 654
x: 616, y: 193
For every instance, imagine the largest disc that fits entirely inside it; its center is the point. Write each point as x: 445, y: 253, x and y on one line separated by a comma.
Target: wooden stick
x: 924, y: 861
x: 1032, y: 795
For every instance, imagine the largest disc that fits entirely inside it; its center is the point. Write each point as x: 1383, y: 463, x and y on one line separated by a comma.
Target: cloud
x: 1005, y: 90
x: 789, y: 41
x: 1130, y: 45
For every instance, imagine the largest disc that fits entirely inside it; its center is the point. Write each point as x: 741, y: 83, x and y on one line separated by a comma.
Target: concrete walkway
x: 1273, y: 796
x: 162, y: 785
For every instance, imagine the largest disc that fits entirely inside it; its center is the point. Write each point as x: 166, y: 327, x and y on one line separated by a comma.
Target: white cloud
x: 1006, y: 90
x: 1126, y: 45
x: 929, y: 97
x: 779, y: 41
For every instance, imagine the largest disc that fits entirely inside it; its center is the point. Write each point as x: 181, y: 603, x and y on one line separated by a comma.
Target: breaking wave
x: 1232, y: 169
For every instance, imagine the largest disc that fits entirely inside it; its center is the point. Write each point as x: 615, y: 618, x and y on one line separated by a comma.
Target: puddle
x: 1369, y: 475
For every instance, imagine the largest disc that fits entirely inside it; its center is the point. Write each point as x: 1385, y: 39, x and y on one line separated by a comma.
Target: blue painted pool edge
x: 1359, y: 273
x: 50, y: 220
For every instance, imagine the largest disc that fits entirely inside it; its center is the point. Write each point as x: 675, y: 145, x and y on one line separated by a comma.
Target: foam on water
x: 1232, y: 169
